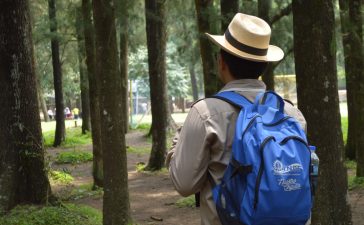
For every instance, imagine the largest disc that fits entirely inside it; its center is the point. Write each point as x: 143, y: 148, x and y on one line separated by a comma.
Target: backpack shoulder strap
x: 233, y: 98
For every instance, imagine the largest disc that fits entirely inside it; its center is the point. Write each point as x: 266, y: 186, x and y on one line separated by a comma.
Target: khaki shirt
x: 204, y: 145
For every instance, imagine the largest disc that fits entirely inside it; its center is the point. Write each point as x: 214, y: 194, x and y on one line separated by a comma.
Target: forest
x: 93, y: 92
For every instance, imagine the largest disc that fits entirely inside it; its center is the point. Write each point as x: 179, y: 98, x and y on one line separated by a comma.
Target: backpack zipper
x: 278, y: 122
x: 285, y: 140
x: 249, y: 125
x: 261, y: 168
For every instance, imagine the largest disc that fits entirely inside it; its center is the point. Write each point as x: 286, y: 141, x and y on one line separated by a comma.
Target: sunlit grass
x: 188, y: 202
x: 73, y: 157
x: 74, y: 137
x: 66, y: 214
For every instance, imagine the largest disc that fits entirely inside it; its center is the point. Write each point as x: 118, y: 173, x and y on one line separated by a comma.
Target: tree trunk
x: 264, y: 7
x: 97, y: 167
x: 23, y: 177
x: 351, y: 29
x: 122, y: 16
x: 193, y: 82
x: 42, y: 103
x: 85, y: 99
x: 351, y: 22
x: 156, y: 41
x: 228, y: 10
x: 204, y: 9
x: 59, y: 136
x: 116, y: 209
x: 315, y: 59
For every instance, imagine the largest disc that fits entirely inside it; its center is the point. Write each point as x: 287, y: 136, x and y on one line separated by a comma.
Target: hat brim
x: 274, y: 53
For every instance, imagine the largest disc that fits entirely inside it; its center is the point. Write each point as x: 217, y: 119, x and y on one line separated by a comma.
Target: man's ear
x: 222, y: 64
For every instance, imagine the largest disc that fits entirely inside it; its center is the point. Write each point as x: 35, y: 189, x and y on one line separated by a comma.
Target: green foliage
x: 177, y: 75
x: 67, y: 214
x: 145, y: 127
x: 73, y: 157
x: 188, y: 202
x: 138, y: 150
x: 60, y: 177
x: 355, y: 182
x: 140, y: 167
x: 351, y: 165
x: 74, y: 137
x: 83, y: 191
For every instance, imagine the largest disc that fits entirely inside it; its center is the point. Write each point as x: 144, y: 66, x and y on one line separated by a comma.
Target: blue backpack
x: 267, y: 181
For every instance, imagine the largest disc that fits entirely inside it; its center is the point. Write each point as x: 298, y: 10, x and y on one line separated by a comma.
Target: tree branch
x: 284, y: 12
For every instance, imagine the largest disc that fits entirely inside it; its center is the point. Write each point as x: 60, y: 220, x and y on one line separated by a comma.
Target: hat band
x: 244, y: 48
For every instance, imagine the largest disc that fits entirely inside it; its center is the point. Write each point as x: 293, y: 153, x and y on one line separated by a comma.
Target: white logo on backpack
x: 280, y: 169
x: 289, y: 185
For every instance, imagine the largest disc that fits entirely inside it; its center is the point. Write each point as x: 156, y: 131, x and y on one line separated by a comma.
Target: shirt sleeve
x: 190, y: 157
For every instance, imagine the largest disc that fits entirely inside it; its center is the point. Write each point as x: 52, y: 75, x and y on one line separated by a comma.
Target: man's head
x: 240, y: 68
x: 245, y: 48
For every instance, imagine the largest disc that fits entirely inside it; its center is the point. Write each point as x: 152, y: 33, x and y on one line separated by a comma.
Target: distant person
x: 50, y: 114
x: 67, y: 112
x: 76, y: 113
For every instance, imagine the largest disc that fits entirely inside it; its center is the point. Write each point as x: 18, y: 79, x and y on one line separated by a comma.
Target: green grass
x: 355, y: 182
x: 351, y: 165
x: 60, y: 177
x: 83, y: 191
x: 74, y: 137
x: 67, y: 214
x: 138, y: 150
x: 188, y: 202
x: 73, y: 157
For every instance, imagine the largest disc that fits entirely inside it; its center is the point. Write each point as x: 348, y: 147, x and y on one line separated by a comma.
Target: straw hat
x: 248, y: 37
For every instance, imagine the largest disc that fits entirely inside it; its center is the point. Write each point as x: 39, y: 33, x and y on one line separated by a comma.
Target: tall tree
x: 89, y: 35
x: 352, y: 36
x: 264, y: 8
x: 314, y: 45
x: 23, y: 178
x: 122, y: 16
x: 206, y: 23
x: 116, y: 196
x: 59, y: 136
x: 85, y: 99
x: 156, y: 41
x: 228, y: 10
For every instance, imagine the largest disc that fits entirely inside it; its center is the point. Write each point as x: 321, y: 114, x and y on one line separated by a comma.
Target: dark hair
x: 241, y: 68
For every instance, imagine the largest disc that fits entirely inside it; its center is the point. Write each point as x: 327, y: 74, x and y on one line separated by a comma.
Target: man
x: 202, y: 149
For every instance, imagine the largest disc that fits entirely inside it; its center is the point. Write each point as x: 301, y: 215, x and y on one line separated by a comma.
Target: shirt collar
x: 253, y: 85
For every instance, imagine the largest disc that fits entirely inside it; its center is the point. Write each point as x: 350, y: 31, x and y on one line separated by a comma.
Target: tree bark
x: 193, y: 82
x: 59, y: 136
x: 156, y: 41
x: 228, y: 10
x: 264, y: 7
x: 23, y: 177
x: 122, y: 17
x: 42, y: 102
x: 351, y: 29
x: 97, y: 168
x: 315, y: 60
x: 204, y: 9
x: 116, y: 209
x: 85, y: 99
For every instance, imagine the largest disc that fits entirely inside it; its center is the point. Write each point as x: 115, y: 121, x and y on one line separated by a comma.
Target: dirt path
x: 153, y: 195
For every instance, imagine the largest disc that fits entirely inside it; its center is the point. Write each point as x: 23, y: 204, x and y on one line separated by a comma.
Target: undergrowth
x: 73, y: 157
x: 67, y: 214
x: 74, y: 137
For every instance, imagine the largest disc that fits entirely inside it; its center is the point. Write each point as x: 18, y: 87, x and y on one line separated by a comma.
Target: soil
x: 152, y: 196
